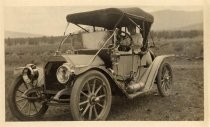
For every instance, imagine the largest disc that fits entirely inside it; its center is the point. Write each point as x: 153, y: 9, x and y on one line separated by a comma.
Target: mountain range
x: 163, y: 20
x: 173, y: 20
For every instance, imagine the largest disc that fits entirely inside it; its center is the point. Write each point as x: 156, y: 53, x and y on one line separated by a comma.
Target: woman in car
x: 137, y: 44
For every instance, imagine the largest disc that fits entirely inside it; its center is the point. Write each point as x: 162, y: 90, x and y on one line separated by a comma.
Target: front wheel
x: 25, y: 105
x: 91, y: 97
x: 164, y: 79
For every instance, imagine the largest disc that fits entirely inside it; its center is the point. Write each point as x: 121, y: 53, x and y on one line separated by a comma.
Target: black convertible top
x: 109, y: 17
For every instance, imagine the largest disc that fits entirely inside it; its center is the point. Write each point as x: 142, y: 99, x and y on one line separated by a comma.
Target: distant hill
x: 13, y: 34
x: 198, y: 26
x: 172, y: 20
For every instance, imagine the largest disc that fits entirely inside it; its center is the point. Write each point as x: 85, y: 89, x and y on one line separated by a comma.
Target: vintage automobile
x: 85, y: 79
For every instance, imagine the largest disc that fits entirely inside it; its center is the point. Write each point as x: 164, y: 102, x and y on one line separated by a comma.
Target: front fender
x: 115, y: 86
x: 19, y: 70
x: 81, y: 70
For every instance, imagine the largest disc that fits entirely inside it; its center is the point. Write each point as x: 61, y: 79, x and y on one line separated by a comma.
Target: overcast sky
x: 51, y: 20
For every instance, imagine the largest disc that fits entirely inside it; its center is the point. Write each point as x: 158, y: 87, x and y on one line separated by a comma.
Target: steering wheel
x: 122, y: 39
x: 124, y: 44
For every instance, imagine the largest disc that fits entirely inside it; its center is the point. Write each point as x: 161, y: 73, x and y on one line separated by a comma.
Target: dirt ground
x: 185, y: 103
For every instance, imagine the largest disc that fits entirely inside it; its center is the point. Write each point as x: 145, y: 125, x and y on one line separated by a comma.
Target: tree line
x: 176, y: 34
x: 77, y: 38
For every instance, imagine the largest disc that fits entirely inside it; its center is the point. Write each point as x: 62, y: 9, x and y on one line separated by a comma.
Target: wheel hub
x: 166, y: 78
x: 32, y: 95
x: 93, y: 100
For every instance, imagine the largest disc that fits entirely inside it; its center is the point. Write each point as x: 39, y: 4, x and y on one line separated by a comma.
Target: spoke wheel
x: 164, y: 79
x: 91, y: 97
x: 25, y: 107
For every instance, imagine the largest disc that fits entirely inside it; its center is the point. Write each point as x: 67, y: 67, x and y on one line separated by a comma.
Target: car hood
x: 78, y: 60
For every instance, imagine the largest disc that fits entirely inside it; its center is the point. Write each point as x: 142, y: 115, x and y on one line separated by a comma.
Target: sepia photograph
x: 106, y: 63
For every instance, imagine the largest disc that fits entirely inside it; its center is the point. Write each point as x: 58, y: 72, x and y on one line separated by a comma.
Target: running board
x: 133, y: 95
x: 57, y: 104
x: 64, y: 91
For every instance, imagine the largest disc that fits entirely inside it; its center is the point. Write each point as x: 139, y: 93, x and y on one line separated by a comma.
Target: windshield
x: 94, y: 40
x: 86, y: 38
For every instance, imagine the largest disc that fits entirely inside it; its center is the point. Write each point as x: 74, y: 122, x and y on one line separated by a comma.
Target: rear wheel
x: 164, y: 79
x: 91, y: 97
x: 23, y: 104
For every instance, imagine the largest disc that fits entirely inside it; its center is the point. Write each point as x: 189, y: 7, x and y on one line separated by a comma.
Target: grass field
x: 186, y: 102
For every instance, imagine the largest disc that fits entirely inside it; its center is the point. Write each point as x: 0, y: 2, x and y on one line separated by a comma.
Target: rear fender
x: 151, y: 73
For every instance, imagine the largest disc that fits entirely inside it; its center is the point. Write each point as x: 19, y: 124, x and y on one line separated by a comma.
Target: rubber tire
x: 78, y: 85
x: 159, y: 75
x: 14, y: 108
